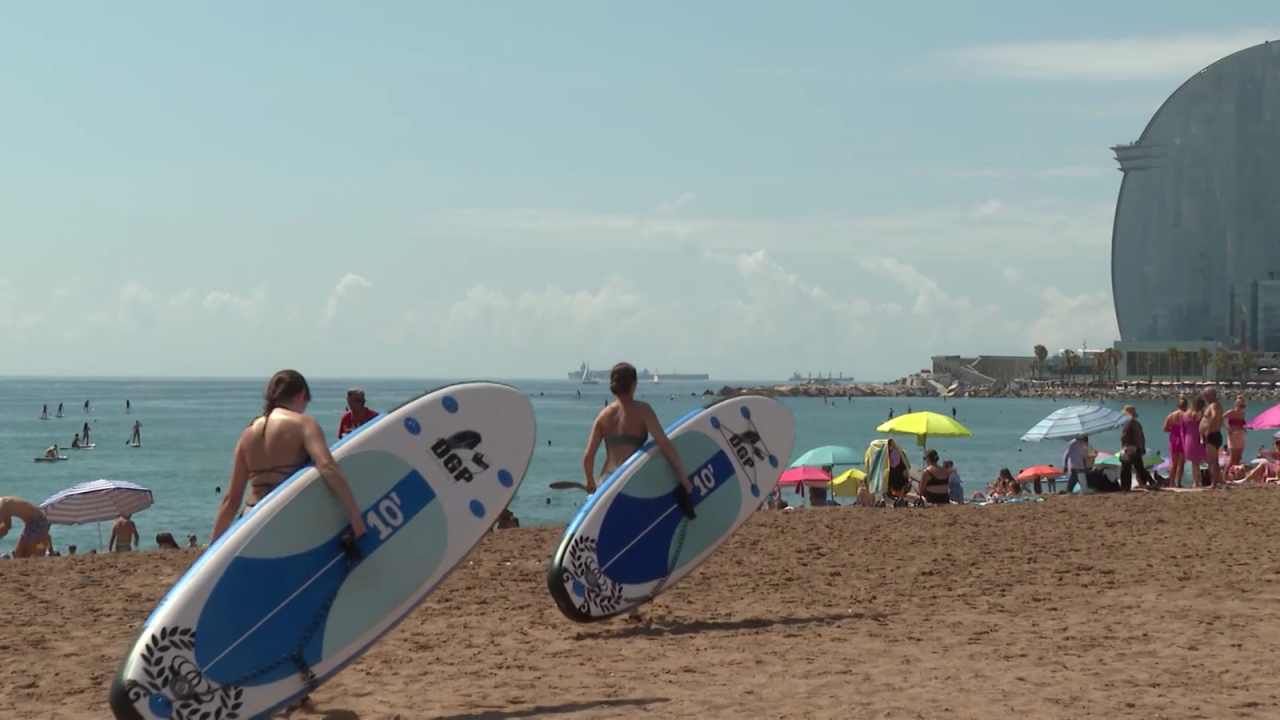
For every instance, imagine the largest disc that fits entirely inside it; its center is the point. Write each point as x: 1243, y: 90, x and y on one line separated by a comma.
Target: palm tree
x: 1221, y: 362
x: 1042, y: 356
x: 1249, y: 361
x: 1114, y: 357
x: 1175, y: 363
x: 1070, y: 361
x: 1101, y: 368
x: 1205, y: 358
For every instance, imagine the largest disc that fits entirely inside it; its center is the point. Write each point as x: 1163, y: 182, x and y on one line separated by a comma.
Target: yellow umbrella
x: 923, y: 424
x: 846, y: 483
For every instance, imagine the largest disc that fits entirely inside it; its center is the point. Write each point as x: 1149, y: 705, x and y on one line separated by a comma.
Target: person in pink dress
x: 1192, y: 443
x: 1173, y: 426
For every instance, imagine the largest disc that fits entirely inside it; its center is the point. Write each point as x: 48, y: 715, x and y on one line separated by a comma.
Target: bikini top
x: 626, y: 439
x: 1235, y: 422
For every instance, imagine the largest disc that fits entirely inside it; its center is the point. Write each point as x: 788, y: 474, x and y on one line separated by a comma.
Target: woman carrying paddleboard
x: 275, y: 446
x: 624, y: 426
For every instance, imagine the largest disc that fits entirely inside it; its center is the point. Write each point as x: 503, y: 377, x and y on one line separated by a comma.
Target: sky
x: 468, y: 190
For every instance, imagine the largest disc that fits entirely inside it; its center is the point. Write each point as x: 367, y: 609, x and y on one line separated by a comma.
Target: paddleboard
x: 631, y: 541
x: 44, y: 458
x: 90, y: 446
x: 140, y: 444
x: 278, y: 604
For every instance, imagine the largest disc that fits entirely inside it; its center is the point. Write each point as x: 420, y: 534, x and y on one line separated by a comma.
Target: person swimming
x: 624, y: 426
x: 267, y: 453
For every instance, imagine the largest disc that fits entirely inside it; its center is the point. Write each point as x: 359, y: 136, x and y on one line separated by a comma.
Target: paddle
x: 568, y: 485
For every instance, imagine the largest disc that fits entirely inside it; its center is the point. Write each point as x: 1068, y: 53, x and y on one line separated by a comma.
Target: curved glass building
x: 1195, y: 252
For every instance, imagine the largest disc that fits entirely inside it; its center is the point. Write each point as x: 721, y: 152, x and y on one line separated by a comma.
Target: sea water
x: 190, y: 426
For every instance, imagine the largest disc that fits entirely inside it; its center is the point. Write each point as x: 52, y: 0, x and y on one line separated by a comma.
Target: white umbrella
x: 95, y: 501
x: 1068, y: 422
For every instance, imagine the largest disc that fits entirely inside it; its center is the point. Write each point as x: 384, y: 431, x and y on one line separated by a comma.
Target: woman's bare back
x: 623, y: 428
x: 272, y: 456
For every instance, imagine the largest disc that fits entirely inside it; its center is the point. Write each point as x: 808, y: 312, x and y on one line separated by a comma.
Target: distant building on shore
x: 1195, y: 257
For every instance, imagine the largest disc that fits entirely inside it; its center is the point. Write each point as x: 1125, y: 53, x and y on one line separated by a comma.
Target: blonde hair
x: 1130, y: 410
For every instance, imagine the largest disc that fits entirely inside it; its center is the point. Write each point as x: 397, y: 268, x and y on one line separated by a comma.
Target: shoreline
x: 1077, y: 392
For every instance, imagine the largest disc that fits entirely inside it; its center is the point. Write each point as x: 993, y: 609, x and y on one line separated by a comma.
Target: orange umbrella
x: 1039, y: 471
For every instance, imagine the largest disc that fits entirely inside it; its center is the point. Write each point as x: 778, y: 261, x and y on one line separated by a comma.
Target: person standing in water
x: 624, y: 426
x: 269, y: 452
x: 357, y: 413
x: 136, y: 437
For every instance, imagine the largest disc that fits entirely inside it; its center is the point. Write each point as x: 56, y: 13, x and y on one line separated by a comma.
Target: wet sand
x: 1145, y: 606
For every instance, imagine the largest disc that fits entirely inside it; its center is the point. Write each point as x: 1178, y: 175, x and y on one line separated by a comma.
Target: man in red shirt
x: 356, y: 415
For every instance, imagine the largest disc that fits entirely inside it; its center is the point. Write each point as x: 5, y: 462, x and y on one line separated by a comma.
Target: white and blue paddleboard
x: 278, y: 605
x: 631, y: 541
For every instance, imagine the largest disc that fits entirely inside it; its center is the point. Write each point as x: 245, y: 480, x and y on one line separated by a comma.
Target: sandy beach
x: 1143, y: 606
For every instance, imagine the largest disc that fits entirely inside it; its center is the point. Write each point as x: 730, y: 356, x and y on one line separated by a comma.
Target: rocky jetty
x: 1255, y: 391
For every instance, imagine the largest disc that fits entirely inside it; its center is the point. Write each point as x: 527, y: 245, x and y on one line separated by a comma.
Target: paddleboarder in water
x: 624, y: 426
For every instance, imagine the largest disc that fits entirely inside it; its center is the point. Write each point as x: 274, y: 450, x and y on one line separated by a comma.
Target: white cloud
x: 1029, y: 228
x: 219, y: 301
x: 348, y: 286
x: 667, y: 207
x: 767, y: 315
x: 1064, y: 172
x: 1150, y: 58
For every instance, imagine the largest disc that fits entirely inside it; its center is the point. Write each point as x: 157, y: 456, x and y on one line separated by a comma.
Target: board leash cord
x: 352, y: 553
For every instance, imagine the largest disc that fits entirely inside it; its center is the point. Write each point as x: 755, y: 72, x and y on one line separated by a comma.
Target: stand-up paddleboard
x: 631, y: 541
x: 46, y: 458
x: 278, y: 604
x: 90, y: 446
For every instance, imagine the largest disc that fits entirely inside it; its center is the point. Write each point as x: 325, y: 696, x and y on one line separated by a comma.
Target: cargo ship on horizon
x: 585, y: 373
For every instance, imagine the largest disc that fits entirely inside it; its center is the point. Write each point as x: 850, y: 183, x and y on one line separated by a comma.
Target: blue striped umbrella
x: 1068, y: 422
x: 93, y: 502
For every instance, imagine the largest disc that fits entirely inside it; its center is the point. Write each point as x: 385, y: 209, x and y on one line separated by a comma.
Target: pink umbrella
x: 801, y: 476
x: 1269, y: 419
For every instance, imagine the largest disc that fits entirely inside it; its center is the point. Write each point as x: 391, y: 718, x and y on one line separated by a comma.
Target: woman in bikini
x: 274, y: 446
x: 1177, y: 457
x: 624, y: 426
x: 935, y: 481
x: 1237, y: 436
x: 1192, y: 442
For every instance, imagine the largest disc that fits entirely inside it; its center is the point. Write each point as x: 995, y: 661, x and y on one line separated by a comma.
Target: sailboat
x: 655, y: 377
x: 586, y: 375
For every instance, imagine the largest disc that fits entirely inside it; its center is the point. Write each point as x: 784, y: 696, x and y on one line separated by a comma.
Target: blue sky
x: 505, y: 189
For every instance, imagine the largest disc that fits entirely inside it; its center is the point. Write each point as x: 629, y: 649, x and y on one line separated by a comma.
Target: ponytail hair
x: 282, y: 386
x: 622, y: 378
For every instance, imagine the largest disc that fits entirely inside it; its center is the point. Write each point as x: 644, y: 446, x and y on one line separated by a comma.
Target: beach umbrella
x: 95, y: 501
x: 828, y: 455
x: 1039, y: 471
x: 923, y: 425
x: 1269, y: 419
x: 802, y: 475
x: 846, y: 483
x: 1068, y: 422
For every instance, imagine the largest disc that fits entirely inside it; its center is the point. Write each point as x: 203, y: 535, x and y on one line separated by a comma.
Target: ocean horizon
x: 189, y: 428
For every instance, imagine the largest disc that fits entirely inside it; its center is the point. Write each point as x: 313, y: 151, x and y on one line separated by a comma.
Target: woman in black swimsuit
x: 274, y: 446
x: 935, y: 481
x: 624, y: 426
